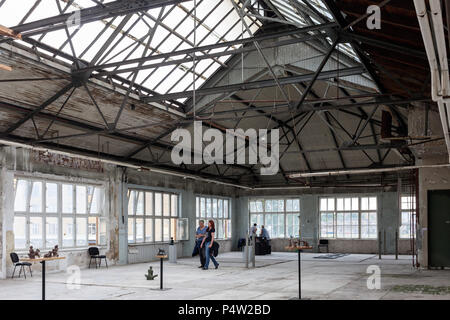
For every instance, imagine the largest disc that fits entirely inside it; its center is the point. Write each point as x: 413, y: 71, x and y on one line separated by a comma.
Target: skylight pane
x: 44, y: 10
x: 216, y: 21
x: 19, y: 10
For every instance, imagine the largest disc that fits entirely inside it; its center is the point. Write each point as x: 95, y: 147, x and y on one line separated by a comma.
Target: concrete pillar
x: 309, y: 219
x: 188, y: 211
x: 239, y: 220
x: 388, y: 217
x: 6, y: 219
x: 121, y: 204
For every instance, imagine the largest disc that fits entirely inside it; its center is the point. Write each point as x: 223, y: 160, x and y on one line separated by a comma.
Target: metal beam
x: 317, y: 74
x: 256, y: 84
x: 95, y: 130
x: 189, y: 59
x: 112, y: 157
x: 331, y: 5
x: 99, y: 12
x: 224, y: 44
x: 38, y: 109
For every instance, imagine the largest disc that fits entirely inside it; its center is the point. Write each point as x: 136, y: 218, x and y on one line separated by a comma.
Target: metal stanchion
x: 246, y: 251
x: 161, y: 278
x: 161, y: 255
x: 299, y: 274
x: 43, y: 279
x: 379, y: 245
x: 396, y: 245
x: 254, y: 251
x: 384, y: 242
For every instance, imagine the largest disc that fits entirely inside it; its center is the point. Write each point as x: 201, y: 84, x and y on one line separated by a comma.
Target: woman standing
x: 208, y: 242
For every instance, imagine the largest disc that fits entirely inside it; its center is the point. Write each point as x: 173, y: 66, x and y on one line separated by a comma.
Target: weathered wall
x: 423, y: 122
x: 188, y: 190
x: 388, y: 222
x: 115, y: 181
x: 429, y: 179
x: 24, y: 162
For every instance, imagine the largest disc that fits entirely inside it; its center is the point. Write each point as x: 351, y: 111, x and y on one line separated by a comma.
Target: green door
x: 439, y: 228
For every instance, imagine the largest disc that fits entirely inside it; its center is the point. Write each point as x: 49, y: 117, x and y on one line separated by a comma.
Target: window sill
x: 153, y: 243
x: 343, y: 239
x: 64, y: 250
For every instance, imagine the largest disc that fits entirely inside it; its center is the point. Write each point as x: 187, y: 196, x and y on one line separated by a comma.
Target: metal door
x: 439, y: 228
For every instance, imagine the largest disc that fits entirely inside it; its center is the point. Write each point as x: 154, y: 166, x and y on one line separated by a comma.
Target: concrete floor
x: 274, y: 278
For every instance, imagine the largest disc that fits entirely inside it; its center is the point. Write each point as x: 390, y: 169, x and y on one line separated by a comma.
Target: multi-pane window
x: 218, y: 210
x: 153, y: 216
x: 281, y: 217
x: 348, y: 217
x: 408, y: 217
x: 49, y: 213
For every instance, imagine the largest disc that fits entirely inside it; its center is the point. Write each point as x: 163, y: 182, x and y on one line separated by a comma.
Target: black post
x: 396, y: 245
x: 379, y: 245
x: 43, y: 279
x: 161, y: 279
x: 299, y: 274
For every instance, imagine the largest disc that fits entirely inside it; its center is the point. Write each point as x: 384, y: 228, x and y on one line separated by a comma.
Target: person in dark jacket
x: 200, y: 235
x: 208, y: 242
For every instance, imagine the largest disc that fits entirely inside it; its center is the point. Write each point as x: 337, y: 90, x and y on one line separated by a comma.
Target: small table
x: 42, y: 261
x: 299, y: 249
x: 162, y: 257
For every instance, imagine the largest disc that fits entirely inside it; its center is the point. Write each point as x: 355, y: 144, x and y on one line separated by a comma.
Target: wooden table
x: 162, y: 257
x: 42, y: 261
x: 299, y: 249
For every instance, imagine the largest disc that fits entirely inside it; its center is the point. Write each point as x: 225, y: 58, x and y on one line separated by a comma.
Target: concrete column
x: 239, y: 220
x: 388, y: 220
x: 309, y: 219
x: 6, y: 219
x: 188, y: 211
x: 121, y: 204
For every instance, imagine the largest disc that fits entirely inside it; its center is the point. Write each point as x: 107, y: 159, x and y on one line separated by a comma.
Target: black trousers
x: 202, y: 255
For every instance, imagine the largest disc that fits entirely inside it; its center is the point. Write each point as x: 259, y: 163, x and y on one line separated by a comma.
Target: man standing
x: 264, y: 233
x: 199, y: 235
x: 253, y: 230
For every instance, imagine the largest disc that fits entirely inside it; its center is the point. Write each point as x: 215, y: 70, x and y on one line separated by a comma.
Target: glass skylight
x: 296, y: 11
x: 215, y: 21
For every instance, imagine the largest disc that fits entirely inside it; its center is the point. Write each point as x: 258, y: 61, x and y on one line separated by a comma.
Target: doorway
x: 439, y: 228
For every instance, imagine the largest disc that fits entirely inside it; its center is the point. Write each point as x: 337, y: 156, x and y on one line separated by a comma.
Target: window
x: 281, y: 217
x: 408, y: 217
x: 218, y: 210
x: 154, y: 217
x: 348, y: 217
x: 49, y: 213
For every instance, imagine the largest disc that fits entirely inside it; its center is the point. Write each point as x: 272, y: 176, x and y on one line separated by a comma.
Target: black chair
x: 16, y: 261
x: 323, y: 243
x: 95, y: 254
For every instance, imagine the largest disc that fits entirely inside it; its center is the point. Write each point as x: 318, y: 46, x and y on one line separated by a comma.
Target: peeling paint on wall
x: 66, y: 161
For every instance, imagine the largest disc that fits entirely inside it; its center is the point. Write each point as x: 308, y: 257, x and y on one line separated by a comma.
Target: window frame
x: 172, y: 221
x: 335, y: 211
x: 412, y: 214
x: 226, y: 222
x: 59, y: 214
x: 285, y: 213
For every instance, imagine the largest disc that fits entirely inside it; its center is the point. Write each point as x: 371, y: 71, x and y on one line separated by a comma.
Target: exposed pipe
x: 363, y: 171
x: 120, y: 163
x: 187, y: 176
x: 440, y: 85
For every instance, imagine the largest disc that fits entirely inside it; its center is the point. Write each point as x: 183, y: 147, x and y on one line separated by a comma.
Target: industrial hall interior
x: 224, y: 149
